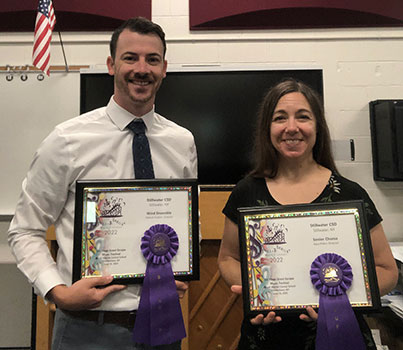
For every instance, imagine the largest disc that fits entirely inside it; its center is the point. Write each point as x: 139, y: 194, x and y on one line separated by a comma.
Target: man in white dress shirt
x: 97, y: 145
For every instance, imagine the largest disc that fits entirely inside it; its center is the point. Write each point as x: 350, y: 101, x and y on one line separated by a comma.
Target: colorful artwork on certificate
x: 266, y: 239
x: 104, y: 218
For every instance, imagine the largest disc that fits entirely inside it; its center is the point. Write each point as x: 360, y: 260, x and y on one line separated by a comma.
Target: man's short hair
x: 139, y: 25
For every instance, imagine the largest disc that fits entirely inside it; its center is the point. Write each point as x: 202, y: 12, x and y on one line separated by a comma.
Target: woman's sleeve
x: 236, y: 200
x: 372, y: 214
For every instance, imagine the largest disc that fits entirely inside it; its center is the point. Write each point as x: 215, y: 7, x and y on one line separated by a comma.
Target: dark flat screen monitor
x: 218, y: 107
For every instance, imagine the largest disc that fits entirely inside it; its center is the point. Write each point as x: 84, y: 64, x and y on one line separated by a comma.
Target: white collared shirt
x: 95, y: 145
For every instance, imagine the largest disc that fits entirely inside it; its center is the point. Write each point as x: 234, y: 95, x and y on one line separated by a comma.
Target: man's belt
x: 122, y: 318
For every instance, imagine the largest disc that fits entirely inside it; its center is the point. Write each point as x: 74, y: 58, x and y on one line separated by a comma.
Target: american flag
x: 45, y: 22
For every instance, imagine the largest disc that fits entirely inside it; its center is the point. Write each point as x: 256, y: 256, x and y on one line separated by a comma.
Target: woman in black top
x: 294, y: 164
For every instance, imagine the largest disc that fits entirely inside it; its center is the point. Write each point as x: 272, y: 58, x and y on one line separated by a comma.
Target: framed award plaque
x: 113, y: 217
x: 282, y: 247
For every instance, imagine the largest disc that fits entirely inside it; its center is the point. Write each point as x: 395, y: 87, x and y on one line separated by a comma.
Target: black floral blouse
x: 292, y: 333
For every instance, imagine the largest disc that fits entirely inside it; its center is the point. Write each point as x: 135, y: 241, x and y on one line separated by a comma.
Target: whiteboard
x: 29, y: 111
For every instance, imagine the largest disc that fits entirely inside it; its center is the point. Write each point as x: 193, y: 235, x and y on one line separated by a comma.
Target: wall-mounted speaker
x: 386, y: 121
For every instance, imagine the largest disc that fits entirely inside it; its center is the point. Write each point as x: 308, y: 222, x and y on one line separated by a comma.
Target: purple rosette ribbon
x: 337, y: 326
x: 159, y: 317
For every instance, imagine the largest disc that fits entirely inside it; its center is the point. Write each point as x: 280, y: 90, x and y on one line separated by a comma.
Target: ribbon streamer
x: 337, y: 326
x: 159, y: 317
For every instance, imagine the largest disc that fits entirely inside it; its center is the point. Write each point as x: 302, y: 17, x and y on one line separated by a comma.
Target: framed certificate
x: 279, y: 244
x: 111, y: 218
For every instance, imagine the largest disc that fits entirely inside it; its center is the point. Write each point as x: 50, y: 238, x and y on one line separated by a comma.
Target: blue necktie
x: 143, y: 165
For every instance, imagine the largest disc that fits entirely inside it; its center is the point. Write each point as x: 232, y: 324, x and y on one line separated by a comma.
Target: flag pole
x: 64, y: 54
